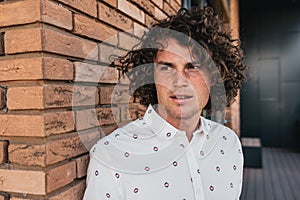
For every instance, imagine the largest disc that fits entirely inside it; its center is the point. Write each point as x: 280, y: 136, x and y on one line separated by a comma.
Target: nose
x: 180, y: 79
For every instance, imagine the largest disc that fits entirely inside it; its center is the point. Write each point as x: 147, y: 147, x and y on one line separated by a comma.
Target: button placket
x: 195, y: 174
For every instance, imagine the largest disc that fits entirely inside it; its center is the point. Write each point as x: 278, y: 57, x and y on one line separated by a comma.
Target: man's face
x: 182, y: 85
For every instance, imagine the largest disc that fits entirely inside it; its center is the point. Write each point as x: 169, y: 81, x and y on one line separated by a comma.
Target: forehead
x: 172, y: 49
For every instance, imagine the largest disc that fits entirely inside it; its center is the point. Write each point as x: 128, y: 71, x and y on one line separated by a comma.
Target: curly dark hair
x: 199, y: 24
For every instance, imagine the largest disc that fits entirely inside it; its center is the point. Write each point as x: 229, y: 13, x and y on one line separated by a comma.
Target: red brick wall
x: 55, y: 88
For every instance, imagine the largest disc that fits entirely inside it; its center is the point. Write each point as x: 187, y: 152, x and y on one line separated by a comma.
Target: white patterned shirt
x: 149, y: 159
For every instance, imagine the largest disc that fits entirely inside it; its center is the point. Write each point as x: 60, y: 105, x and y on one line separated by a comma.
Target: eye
x: 192, y: 67
x: 193, y: 70
x: 165, y: 68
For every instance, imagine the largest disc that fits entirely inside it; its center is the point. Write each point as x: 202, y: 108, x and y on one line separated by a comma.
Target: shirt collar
x: 160, y: 127
x: 165, y: 130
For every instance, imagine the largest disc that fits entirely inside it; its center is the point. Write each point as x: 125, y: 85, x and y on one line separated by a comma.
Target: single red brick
x: 57, y: 15
x: 29, y: 182
x: 20, y: 12
x: 131, y: 10
x: 60, y: 176
x: 90, y: 28
x: 23, y: 40
x: 88, y: 7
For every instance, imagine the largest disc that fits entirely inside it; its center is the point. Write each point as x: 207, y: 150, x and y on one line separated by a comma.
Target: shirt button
x: 169, y: 134
x: 201, y: 153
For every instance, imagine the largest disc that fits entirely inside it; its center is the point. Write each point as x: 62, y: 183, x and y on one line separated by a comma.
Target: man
x: 173, y: 152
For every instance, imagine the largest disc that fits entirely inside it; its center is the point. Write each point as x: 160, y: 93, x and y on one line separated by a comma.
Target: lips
x: 180, y: 98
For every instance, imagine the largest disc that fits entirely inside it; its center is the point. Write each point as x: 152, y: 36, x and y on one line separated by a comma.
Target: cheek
x: 161, y: 90
x: 201, y: 87
x: 161, y: 83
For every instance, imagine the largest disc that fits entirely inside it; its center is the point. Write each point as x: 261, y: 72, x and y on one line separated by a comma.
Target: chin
x: 186, y: 113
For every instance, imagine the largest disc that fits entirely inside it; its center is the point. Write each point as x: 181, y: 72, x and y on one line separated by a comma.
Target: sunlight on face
x: 182, y: 85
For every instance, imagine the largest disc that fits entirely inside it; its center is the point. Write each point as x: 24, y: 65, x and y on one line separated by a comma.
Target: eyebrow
x: 164, y: 63
x: 195, y: 63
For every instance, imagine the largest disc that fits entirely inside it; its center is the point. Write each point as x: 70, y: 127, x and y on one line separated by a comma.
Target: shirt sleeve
x: 241, y: 163
x: 101, y: 182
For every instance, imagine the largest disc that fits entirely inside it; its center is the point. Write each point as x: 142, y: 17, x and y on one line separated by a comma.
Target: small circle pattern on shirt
x: 224, y: 137
x: 231, y: 185
x: 136, y: 190
x: 198, y: 171
x: 218, y: 168
x: 234, y: 167
x: 222, y: 151
x: 175, y: 163
x: 117, y: 175
x: 135, y: 136
x: 211, y: 188
x: 94, y: 149
x: 169, y: 134
x: 149, y: 111
x: 182, y: 145
x: 166, y: 184
x: 155, y: 148
x: 107, y: 195
x: 106, y: 142
x: 126, y: 154
x: 96, y: 173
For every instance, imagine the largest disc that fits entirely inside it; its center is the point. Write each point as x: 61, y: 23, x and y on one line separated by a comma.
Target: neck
x: 188, y: 125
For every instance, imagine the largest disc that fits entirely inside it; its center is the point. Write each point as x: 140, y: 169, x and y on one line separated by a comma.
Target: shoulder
x: 219, y: 129
x: 220, y: 135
